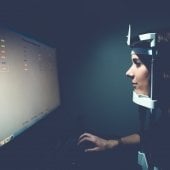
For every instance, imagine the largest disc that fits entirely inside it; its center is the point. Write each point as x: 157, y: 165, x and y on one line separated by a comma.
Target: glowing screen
x: 29, y: 87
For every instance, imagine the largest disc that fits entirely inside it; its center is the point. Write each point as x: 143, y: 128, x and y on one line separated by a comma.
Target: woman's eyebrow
x: 136, y: 59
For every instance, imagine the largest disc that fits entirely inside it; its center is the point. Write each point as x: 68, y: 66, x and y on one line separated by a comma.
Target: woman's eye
x: 137, y: 62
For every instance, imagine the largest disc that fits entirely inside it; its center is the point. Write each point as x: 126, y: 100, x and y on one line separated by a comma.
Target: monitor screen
x: 29, y: 87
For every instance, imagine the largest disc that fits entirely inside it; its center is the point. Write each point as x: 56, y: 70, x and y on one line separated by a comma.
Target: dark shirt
x: 156, y: 141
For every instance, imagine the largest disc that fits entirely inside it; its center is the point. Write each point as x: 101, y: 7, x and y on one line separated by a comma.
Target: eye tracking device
x: 144, y: 44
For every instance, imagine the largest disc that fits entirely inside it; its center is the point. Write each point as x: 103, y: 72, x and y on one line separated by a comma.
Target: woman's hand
x: 100, y: 144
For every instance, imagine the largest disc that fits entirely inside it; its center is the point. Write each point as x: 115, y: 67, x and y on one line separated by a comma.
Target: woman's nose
x: 129, y: 73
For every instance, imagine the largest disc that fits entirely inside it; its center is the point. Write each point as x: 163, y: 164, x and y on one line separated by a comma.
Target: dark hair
x: 161, y: 77
x: 162, y: 70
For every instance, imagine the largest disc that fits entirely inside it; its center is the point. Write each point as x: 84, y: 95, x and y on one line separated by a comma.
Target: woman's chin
x: 140, y: 92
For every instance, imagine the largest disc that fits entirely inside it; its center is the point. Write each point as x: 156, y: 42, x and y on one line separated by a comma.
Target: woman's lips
x: 134, y: 84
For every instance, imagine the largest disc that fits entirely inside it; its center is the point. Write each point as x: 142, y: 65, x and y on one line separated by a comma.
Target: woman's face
x: 139, y: 75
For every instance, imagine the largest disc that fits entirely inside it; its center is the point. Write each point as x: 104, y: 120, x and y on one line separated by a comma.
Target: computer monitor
x: 29, y: 87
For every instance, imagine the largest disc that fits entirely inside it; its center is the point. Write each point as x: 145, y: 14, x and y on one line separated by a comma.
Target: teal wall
x: 94, y: 85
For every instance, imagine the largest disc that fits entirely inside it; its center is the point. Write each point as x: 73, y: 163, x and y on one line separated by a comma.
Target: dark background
x: 90, y: 37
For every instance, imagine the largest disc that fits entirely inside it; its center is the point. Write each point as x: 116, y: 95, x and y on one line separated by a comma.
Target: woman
x: 150, y: 76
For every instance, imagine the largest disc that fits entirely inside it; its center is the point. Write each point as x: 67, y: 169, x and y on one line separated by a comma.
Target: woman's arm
x: 130, y: 140
x: 101, y: 144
